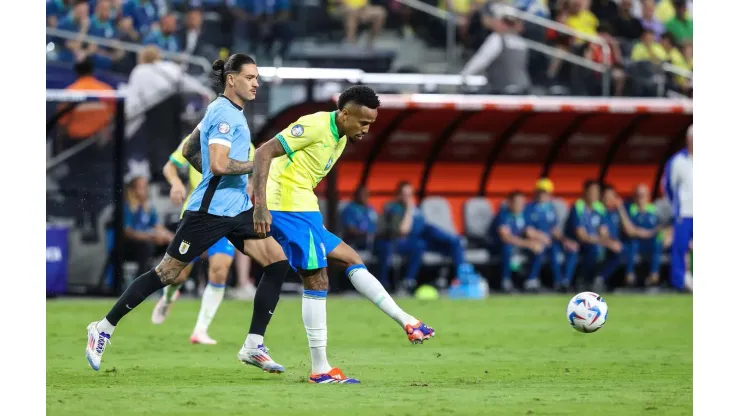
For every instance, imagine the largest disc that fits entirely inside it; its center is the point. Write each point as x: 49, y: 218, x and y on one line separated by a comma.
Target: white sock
x: 371, y: 288
x: 212, y: 297
x: 254, y: 341
x: 314, y: 319
x: 169, y: 292
x: 105, y: 326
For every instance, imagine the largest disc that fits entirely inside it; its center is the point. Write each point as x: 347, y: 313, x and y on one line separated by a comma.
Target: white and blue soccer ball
x: 586, y: 312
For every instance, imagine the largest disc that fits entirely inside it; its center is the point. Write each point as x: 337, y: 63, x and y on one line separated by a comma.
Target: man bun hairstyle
x: 219, y: 69
x: 361, y: 95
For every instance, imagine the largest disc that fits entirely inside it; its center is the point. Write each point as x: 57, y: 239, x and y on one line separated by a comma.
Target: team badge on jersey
x: 296, y: 131
x: 184, y: 247
x: 223, y: 127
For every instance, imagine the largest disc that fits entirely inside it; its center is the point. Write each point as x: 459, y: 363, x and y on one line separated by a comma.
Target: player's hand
x: 262, y: 221
x: 615, y: 246
x: 177, y: 194
x: 570, y: 245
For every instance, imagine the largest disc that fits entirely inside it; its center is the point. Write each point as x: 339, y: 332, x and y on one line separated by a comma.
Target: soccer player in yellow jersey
x: 286, y: 170
x: 220, y: 255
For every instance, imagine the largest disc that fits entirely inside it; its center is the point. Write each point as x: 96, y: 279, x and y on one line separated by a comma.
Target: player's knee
x: 218, y: 274
x: 315, y: 280
x: 169, y: 269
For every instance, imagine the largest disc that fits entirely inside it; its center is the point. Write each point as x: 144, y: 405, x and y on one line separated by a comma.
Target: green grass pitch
x: 512, y: 355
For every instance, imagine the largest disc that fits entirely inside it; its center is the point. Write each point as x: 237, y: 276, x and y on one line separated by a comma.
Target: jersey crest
x: 184, y: 247
x: 296, y: 130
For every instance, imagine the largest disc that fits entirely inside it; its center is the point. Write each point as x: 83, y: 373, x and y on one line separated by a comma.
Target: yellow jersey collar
x: 333, y: 125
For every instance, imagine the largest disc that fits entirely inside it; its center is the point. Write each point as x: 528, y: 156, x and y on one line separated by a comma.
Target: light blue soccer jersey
x: 226, y: 196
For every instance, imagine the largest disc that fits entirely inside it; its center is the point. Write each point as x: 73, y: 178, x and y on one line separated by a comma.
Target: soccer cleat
x: 162, y: 308
x: 419, y: 333
x: 201, y: 337
x: 96, y: 343
x: 334, y: 376
x: 260, y: 358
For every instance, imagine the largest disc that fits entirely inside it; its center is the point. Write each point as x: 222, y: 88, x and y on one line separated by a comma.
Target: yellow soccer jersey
x: 312, y: 146
x: 194, y: 177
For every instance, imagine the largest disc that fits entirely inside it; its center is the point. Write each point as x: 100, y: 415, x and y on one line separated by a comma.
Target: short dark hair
x: 233, y: 64
x: 359, y: 94
x: 513, y: 194
x: 607, y: 187
x: 84, y: 67
x: 589, y: 183
x: 401, y: 185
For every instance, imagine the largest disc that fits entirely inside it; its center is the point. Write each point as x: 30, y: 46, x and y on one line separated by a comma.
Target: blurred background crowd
x: 551, y: 47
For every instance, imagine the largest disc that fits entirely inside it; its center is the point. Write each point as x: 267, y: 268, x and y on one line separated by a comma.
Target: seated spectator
x: 666, y: 9
x: 354, y: 12
x: 580, y: 19
x: 56, y: 10
x: 144, y: 15
x: 677, y: 59
x: 643, y: 236
x: 511, y: 234
x: 625, y: 24
x: 102, y: 26
x: 78, y: 20
x: 617, y: 224
x: 649, y: 21
x: 142, y: 229
x: 404, y: 231
x: 191, y: 36
x: 586, y: 225
x: 359, y: 221
x: 648, y: 49
x: 605, y: 10
x: 463, y: 10
x: 503, y: 58
x: 681, y: 26
x: 541, y: 215
x: 164, y: 36
x: 595, y: 53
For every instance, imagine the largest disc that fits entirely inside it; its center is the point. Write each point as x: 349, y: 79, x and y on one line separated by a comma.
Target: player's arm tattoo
x: 262, y: 159
x: 191, y: 151
x: 235, y: 167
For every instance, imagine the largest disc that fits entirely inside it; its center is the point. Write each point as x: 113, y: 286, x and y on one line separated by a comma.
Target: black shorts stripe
x: 209, y: 193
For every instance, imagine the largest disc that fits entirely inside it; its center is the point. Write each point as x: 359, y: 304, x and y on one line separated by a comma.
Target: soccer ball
x: 586, y: 312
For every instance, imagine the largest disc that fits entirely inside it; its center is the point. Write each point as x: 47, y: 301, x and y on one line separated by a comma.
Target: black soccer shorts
x: 199, y: 230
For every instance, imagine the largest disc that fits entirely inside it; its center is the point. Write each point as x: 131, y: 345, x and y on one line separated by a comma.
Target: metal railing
x: 506, y: 10
x: 197, y: 61
x: 449, y: 18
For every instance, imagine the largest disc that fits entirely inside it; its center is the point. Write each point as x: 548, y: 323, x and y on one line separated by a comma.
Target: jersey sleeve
x: 221, y: 127
x: 177, y: 157
x: 297, y: 136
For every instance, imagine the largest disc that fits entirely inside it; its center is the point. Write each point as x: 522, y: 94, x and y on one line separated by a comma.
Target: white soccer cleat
x: 244, y: 293
x: 201, y: 337
x: 162, y: 308
x: 96, y: 343
x: 260, y: 358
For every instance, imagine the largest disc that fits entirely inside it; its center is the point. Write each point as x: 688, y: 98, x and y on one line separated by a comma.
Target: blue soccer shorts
x: 304, y: 239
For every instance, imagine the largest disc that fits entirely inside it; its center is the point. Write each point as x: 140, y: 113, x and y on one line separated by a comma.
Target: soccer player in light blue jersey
x: 219, y: 207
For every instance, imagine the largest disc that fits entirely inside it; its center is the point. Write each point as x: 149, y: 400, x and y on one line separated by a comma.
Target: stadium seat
x: 665, y: 212
x: 437, y: 212
x: 477, y: 217
x: 561, y: 211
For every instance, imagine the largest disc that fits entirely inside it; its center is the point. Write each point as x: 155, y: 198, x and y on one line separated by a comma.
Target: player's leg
x: 220, y: 257
x: 384, y: 252
x: 631, y: 247
x: 268, y: 254
x: 507, y: 254
x: 612, y: 261
x: 446, y: 244
x: 681, y: 238
x: 413, y: 249
x: 572, y: 255
x: 553, y: 253
x: 533, y: 279
x: 196, y: 233
x: 368, y: 286
x: 170, y: 294
x: 652, y: 249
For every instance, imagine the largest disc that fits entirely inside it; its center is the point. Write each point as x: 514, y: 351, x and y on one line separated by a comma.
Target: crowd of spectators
x: 642, y: 35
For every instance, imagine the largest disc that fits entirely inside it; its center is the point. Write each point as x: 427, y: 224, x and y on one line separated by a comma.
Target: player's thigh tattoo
x: 315, y: 279
x: 169, y: 268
